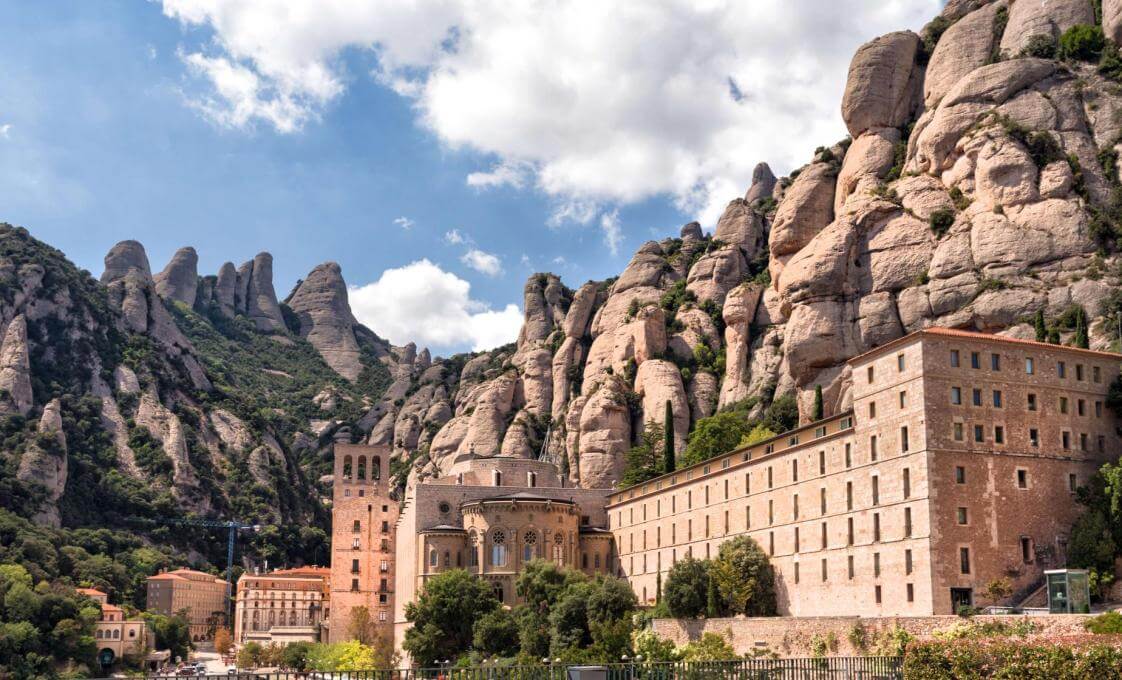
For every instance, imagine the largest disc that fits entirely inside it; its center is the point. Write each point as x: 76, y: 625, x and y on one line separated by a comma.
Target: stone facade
x: 116, y: 635
x: 957, y: 465
x: 282, y: 606
x: 202, y: 596
x: 362, y: 537
x: 793, y: 636
x: 491, y: 515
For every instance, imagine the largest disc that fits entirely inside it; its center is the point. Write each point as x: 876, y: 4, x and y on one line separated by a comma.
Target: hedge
x: 1051, y: 659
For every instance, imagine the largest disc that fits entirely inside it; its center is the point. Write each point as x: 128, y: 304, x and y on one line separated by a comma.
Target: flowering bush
x: 1052, y: 659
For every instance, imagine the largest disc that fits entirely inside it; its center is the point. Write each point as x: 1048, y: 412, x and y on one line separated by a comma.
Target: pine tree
x: 818, y: 409
x: 668, y: 439
x: 1038, y: 323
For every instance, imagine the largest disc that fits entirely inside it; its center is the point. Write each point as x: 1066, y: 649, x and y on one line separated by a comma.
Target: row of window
x: 352, y: 472
x: 1031, y: 402
x: 958, y: 430
x: 955, y: 358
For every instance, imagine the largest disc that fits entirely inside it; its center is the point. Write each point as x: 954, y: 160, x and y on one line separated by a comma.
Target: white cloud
x: 422, y: 303
x: 507, y: 173
x: 613, y: 234
x: 594, y: 103
x: 482, y: 262
x: 404, y: 222
x: 5, y: 130
x: 454, y: 237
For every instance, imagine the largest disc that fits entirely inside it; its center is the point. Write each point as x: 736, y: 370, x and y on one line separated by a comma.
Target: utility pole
x: 232, y: 527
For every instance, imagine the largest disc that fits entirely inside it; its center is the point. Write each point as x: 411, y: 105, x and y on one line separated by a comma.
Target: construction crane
x: 233, y: 527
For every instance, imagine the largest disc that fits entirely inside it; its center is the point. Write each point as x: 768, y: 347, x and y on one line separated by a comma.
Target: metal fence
x: 828, y: 668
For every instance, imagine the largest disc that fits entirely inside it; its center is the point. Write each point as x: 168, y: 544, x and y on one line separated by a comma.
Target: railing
x: 827, y: 668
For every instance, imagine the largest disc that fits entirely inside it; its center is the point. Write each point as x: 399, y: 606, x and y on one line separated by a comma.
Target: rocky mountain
x: 978, y: 188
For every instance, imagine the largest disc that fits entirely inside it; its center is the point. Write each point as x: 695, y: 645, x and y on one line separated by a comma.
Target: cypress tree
x: 1054, y: 336
x: 712, y: 609
x: 1038, y: 323
x: 818, y: 409
x: 658, y: 588
x: 1081, y: 339
x: 668, y: 439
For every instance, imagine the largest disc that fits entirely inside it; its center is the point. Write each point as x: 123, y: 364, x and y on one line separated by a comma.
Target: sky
x: 440, y: 151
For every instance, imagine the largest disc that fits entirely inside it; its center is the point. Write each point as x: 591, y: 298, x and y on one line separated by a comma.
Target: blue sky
x: 543, y: 144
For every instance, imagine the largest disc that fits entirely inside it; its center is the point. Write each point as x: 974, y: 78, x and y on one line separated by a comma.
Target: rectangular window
x: 962, y: 516
x: 876, y: 527
x: 771, y: 543
x: 1030, y: 368
x: 959, y: 474
x: 1034, y: 437
x: 821, y: 462
x: 1065, y: 438
x: 824, y: 535
x: 824, y: 571
x: 904, y: 439
x: 908, y: 561
x: 869, y: 372
x: 876, y: 564
x: 850, y: 567
x: 796, y: 572
x: 849, y: 495
x: 907, y: 522
x: 975, y: 360
x: 876, y: 593
x: 747, y: 483
x: 1098, y: 409
x: 748, y: 517
x: 977, y: 397
x: 794, y: 471
x: 876, y: 490
x: 903, y: 398
x: 1080, y: 407
x: 1031, y: 401
x: 795, y: 505
x: 1061, y: 369
x: 1022, y: 479
x: 872, y: 409
x: 1026, y: 549
x: 873, y: 448
x: 997, y: 398
x: 911, y: 593
x: 849, y: 533
x: 1072, y: 483
x: 957, y: 432
x: 796, y: 539
x: 770, y: 512
x: 995, y: 362
x: 822, y: 499
x: 848, y: 455
x: 1096, y: 375
x: 769, y: 477
x: 1079, y: 371
x: 979, y: 433
x: 964, y: 560
x: 899, y: 362
x: 1082, y: 441
x: 954, y: 358
x: 907, y: 483
x: 998, y: 434
x: 1101, y: 443
x: 956, y: 395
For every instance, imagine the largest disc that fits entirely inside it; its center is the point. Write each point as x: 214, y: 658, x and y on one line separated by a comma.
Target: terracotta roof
x: 976, y: 335
x: 185, y: 575
x: 111, y: 608
x: 90, y: 591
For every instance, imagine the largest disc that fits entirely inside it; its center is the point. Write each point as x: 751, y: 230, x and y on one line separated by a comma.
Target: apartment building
x: 957, y: 465
x: 201, y: 596
x: 282, y: 606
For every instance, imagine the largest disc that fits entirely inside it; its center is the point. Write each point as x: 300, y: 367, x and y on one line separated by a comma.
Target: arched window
x: 447, y: 559
x: 432, y: 558
x: 347, y: 468
x: 361, y: 468
x: 531, y: 479
x: 473, y: 547
x: 529, y: 546
x: 499, y: 592
x: 376, y: 468
x: 498, y: 549
x: 98, y: 634
x: 356, y: 527
x: 596, y: 561
x: 497, y: 477
x: 116, y: 633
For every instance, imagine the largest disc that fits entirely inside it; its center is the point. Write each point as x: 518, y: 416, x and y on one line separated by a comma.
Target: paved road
x: 213, y: 661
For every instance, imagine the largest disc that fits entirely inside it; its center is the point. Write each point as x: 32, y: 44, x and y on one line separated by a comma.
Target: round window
x: 444, y: 507
x: 530, y: 538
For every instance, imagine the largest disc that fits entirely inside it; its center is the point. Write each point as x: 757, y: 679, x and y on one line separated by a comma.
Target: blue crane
x: 232, y: 526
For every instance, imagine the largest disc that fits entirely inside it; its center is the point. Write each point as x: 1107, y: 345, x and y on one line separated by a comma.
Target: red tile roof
x: 976, y: 335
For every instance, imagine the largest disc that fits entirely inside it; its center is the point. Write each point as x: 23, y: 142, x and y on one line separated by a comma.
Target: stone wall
x: 791, y: 636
